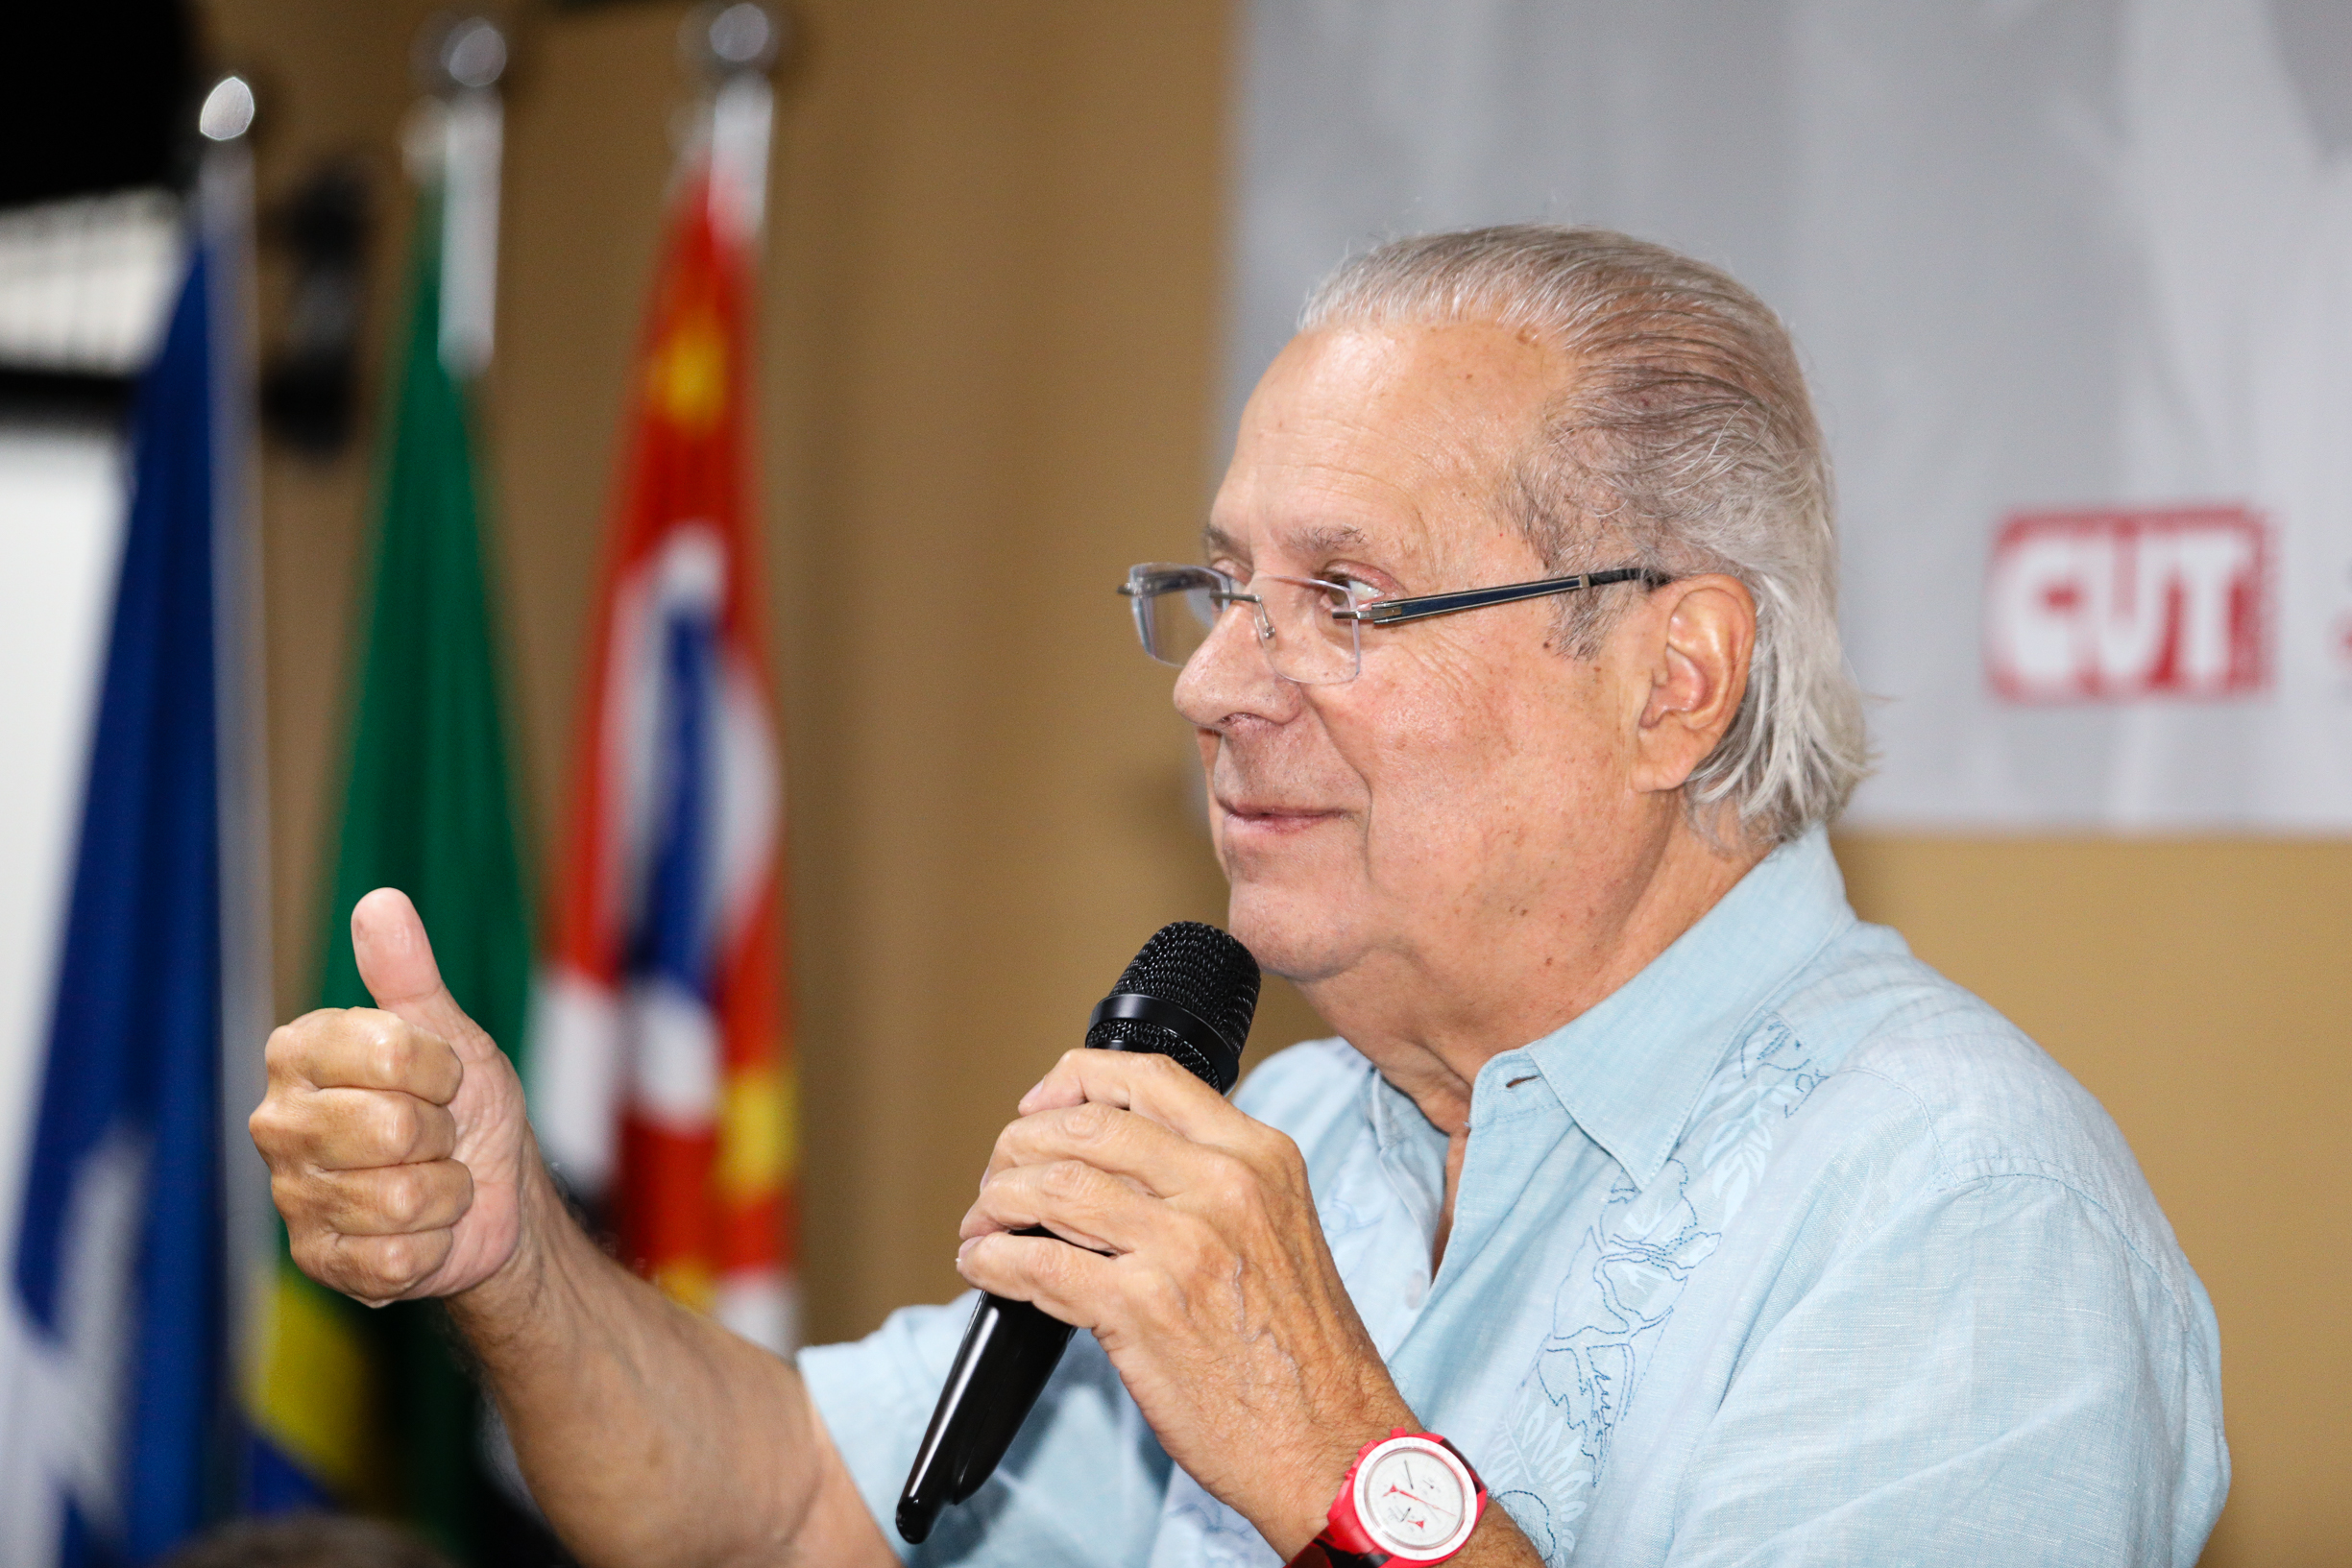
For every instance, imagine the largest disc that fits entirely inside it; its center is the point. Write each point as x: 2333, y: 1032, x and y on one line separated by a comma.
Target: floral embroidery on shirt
x: 1629, y: 1272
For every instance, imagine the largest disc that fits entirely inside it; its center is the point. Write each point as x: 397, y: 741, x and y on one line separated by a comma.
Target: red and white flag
x: 660, y: 1067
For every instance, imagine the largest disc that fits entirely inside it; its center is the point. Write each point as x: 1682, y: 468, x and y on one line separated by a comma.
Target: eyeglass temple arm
x: 1388, y: 612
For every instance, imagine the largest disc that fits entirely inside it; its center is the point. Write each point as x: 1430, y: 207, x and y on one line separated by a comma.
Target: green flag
x: 428, y: 807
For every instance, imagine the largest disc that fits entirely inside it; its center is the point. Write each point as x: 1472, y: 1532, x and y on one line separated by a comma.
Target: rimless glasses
x: 1312, y: 631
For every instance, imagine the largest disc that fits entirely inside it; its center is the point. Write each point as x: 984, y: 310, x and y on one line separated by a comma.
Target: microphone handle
x: 1008, y: 1353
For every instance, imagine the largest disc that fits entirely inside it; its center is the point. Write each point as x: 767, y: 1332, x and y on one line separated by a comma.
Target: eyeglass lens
x: 1177, y: 609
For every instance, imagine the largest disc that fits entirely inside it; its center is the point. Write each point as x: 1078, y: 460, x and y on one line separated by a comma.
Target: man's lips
x: 1271, y: 817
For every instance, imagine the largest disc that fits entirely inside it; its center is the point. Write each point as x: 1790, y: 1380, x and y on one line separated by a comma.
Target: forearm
x: 650, y: 1435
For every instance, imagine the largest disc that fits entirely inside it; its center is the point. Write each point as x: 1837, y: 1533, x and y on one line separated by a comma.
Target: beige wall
x: 988, y: 354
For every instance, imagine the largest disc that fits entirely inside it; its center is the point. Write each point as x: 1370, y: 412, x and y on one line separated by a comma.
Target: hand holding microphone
x: 1201, y: 1269
x: 1187, y: 997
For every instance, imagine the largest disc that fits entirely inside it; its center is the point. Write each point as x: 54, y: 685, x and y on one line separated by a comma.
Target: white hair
x: 1682, y: 441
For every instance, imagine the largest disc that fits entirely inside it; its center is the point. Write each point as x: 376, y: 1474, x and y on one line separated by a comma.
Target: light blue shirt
x: 1789, y: 1251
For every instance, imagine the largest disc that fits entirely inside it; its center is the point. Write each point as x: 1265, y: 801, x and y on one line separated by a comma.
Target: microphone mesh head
x: 1203, y: 971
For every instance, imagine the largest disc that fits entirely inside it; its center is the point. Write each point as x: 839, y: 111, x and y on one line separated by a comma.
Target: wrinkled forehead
x: 1387, y: 441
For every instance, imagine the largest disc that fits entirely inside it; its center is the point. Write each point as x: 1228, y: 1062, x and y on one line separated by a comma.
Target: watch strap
x: 1319, y: 1555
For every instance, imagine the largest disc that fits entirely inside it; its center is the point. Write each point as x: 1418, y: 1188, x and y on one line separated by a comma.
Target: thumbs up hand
x: 395, y: 1137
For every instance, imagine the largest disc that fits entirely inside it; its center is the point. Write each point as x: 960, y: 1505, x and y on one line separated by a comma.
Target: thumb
x: 396, y: 961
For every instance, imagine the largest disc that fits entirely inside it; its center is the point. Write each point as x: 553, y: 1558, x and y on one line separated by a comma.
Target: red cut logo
x: 2108, y: 606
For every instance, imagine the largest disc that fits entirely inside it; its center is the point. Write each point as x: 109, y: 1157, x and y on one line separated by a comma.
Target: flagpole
x: 462, y: 63
x: 735, y: 47
x: 223, y: 227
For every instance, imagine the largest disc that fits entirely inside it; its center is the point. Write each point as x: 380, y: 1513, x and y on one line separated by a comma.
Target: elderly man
x: 1700, y: 1221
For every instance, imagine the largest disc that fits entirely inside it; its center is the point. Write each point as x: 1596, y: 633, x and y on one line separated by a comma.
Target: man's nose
x: 1231, y: 676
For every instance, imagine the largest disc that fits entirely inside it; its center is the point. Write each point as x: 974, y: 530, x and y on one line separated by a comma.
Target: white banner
x: 2073, y: 284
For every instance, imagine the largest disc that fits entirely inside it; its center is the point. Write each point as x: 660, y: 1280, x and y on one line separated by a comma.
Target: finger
x: 364, y: 1047
x: 392, y: 1200
x: 373, y: 1269
x: 1073, y: 1201
x: 1159, y: 1160
x: 1148, y: 1085
x: 352, y: 1129
x: 1067, y: 1281
x: 396, y: 961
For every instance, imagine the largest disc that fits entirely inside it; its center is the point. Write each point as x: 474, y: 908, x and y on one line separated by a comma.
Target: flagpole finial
x: 462, y: 53
x: 722, y: 41
x: 457, y: 142
x: 229, y: 110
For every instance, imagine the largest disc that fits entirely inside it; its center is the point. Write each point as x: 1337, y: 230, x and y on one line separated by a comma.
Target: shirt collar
x: 1631, y: 1070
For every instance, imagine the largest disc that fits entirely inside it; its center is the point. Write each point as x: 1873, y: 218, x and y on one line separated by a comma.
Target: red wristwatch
x: 1410, y: 1499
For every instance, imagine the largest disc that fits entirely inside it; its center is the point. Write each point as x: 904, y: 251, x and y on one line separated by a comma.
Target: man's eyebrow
x: 1315, y: 539
x: 1329, y: 537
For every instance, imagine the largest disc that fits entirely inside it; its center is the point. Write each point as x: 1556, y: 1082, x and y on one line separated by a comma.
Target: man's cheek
x: 1416, y: 732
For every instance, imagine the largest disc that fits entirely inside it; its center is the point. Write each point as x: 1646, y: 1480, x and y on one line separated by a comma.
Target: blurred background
x: 1019, y: 261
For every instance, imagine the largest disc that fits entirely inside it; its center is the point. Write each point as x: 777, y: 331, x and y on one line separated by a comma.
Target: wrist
x: 497, y: 1308
x: 1306, y: 1505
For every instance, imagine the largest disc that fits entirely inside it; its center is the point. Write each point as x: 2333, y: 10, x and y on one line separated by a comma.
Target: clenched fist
x: 395, y: 1135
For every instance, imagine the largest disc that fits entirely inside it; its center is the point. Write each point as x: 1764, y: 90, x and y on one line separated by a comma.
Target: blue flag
x: 118, y: 1284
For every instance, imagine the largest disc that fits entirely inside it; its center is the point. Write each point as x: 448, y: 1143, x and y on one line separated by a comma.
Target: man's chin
x: 1294, y: 932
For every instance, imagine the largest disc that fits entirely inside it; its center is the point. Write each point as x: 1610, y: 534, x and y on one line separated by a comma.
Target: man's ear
x: 1702, y: 634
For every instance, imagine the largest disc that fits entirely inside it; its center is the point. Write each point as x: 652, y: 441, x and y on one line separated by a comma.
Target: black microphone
x: 1189, y: 994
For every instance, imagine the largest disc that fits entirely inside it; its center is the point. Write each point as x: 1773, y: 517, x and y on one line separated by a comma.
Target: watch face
x: 1412, y: 1498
